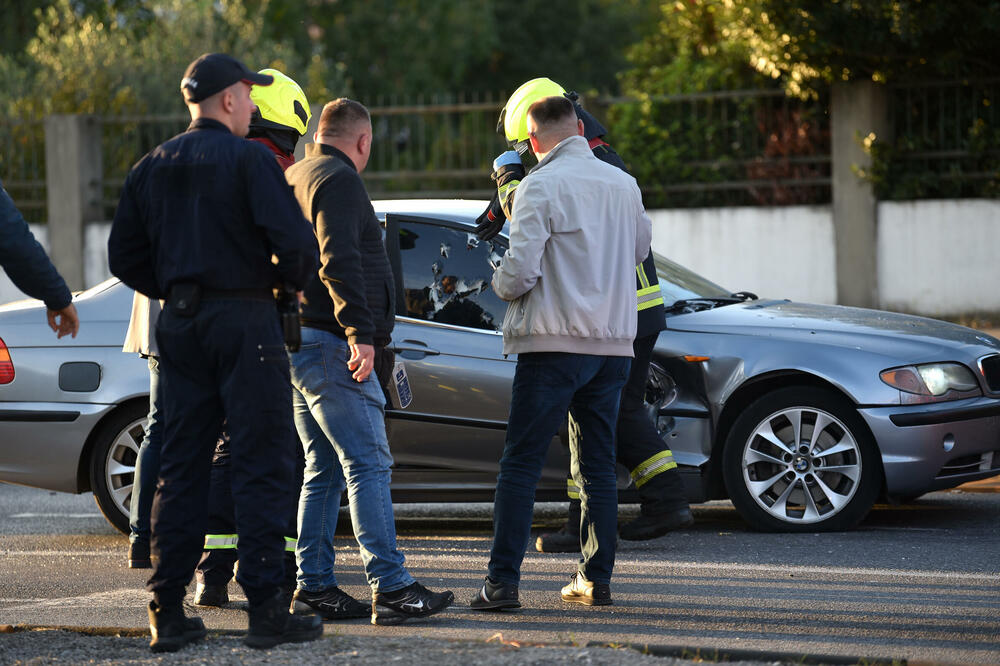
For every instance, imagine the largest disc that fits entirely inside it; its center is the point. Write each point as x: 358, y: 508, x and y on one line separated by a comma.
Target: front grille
x: 990, y: 367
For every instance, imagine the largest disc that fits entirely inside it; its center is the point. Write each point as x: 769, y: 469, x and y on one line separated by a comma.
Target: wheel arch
x: 83, y: 465
x: 750, y: 391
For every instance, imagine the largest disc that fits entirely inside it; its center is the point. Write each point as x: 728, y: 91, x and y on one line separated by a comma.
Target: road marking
x: 61, y: 553
x: 56, y: 515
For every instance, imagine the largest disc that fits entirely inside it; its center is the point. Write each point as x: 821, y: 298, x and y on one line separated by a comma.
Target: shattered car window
x: 446, y: 276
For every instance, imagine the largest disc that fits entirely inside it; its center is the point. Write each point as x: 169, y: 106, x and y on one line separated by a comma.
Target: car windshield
x: 680, y: 284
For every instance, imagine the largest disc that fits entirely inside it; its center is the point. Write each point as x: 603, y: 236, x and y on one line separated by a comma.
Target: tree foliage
x: 129, y: 57
x: 814, y: 42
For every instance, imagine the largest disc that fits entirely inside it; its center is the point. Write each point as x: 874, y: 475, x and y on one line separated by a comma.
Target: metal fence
x: 706, y: 149
x: 725, y: 148
x: 22, y: 166
x: 124, y: 140
x: 437, y: 146
x: 945, y: 143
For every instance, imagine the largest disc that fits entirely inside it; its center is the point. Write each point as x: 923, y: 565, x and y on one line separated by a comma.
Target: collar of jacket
x: 207, y: 123
x: 570, y: 145
x: 318, y: 149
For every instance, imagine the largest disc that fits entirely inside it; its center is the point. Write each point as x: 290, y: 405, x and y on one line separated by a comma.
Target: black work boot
x: 655, y: 525
x: 138, y: 555
x: 171, y: 630
x: 271, y: 624
x: 211, y: 595
x: 664, y: 508
x: 567, y: 539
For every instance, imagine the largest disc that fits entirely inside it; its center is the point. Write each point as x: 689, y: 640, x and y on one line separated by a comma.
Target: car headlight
x: 932, y: 382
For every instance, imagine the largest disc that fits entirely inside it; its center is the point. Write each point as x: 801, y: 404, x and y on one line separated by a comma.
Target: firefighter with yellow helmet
x: 640, y: 448
x: 282, y: 116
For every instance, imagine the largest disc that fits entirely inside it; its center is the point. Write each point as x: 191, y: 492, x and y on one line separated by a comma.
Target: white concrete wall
x: 939, y: 257
x: 780, y: 252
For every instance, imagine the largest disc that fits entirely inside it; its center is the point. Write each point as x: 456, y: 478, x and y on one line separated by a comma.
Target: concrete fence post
x: 857, y: 110
x: 73, y: 175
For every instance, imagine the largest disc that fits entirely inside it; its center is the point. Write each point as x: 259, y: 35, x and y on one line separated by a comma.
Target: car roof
x: 453, y: 210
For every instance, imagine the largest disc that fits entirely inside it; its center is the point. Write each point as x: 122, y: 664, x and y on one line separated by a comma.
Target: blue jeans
x: 147, y: 461
x: 546, y: 385
x: 342, y: 429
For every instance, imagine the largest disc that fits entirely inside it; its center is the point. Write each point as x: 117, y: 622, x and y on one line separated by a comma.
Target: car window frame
x: 391, y: 224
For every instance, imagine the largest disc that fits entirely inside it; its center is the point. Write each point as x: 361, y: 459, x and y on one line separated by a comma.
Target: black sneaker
x: 414, y: 600
x: 582, y: 591
x: 211, y: 595
x: 171, y: 630
x: 271, y: 624
x: 562, y: 541
x: 138, y: 555
x: 330, y: 604
x: 651, y: 527
x: 495, y: 596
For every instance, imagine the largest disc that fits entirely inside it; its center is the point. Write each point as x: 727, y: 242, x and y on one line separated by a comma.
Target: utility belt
x: 185, y: 300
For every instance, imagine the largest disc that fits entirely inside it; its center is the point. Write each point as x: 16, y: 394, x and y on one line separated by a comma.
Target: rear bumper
x: 41, y: 443
x: 933, y: 447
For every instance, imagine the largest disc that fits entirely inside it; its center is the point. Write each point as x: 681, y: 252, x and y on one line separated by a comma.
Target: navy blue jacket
x: 210, y: 208
x: 24, y: 260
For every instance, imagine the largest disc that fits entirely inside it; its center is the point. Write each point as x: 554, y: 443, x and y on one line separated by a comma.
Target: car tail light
x: 6, y: 365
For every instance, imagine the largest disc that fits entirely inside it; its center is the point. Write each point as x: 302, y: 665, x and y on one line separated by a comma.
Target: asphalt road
x: 914, y: 582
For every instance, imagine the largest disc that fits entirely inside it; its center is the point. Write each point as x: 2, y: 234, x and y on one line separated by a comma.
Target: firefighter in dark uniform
x: 198, y: 222
x: 282, y: 116
x: 640, y: 448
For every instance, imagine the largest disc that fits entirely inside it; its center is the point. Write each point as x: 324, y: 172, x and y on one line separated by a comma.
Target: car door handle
x: 413, y: 349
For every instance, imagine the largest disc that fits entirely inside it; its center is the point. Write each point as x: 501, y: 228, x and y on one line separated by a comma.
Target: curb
x: 696, y: 654
x: 717, y: 655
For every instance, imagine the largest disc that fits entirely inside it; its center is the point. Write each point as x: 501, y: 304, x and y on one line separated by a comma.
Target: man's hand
x: 362, y: 361
x: 65, y: 321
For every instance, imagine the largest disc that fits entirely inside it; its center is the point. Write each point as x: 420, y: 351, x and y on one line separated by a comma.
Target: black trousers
x: 220, y: 555
x: 639, y: 446
x: 228, y: 360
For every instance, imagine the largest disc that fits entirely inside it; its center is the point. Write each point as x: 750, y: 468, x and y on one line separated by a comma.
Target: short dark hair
x: 341, y: 116
x: 550, y: 111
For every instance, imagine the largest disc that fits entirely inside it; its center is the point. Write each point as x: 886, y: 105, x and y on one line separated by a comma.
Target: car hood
x: 909, y: 338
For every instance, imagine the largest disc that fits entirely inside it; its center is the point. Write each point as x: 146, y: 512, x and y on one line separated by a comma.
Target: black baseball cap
x: 213, y: 72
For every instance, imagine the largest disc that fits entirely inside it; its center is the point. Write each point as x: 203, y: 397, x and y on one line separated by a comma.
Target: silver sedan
x: 803, y: 415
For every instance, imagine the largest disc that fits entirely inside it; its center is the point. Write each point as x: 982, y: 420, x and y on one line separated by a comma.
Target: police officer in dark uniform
x: 639, y: 446
x: 199, y: 220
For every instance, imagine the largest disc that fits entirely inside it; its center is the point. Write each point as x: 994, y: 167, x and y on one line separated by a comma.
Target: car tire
x: 112, y: 462
x: 823, y: 483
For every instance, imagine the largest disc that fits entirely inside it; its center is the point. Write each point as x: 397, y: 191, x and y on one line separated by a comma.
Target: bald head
x: 550, y: 120
x: 346, y: 125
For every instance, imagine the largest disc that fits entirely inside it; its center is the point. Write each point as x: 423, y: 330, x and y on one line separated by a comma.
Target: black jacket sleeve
x: 278, y: 214
x: 130, y: 253
x: 341, y: 208
x: 24, y: 260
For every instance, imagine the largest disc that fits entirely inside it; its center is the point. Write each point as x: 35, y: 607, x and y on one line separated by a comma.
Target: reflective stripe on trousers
x: 652, y: 466
x: 231, y: 541
x: 647, y: 295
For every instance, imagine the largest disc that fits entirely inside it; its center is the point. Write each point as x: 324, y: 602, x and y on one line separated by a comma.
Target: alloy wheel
x: 119, y: 465
x: 802, y: 465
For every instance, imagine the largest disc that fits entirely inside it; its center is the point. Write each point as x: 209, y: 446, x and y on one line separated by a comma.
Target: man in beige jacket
x: 577, y: 232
